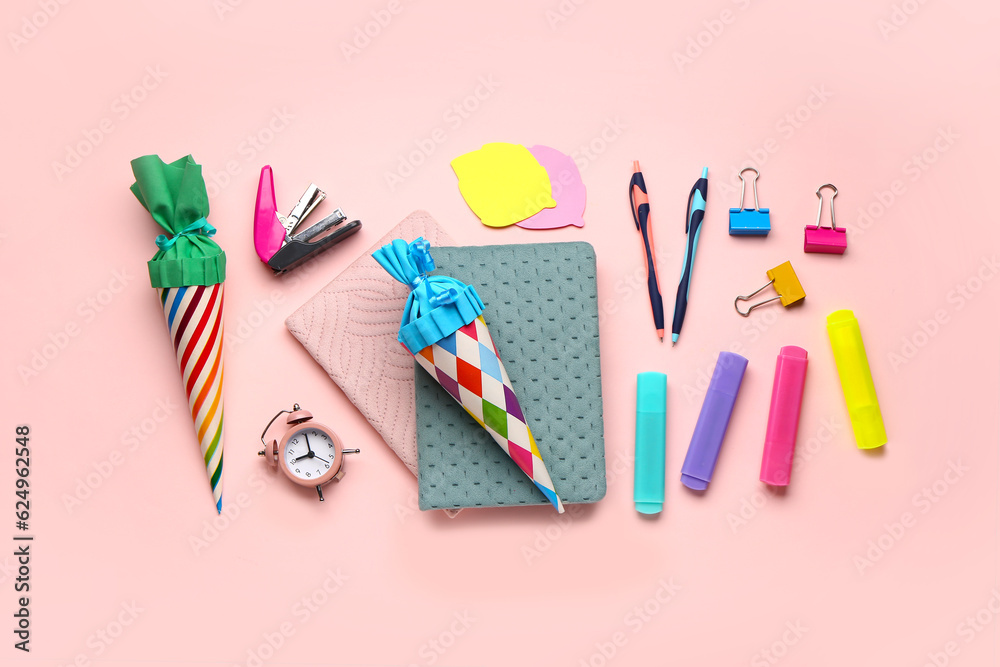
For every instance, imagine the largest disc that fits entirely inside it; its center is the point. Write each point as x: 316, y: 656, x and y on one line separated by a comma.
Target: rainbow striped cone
x: 467, y: 365
x: 194, y: 317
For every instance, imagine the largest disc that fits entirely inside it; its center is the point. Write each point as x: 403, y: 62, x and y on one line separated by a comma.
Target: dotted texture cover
x: 541, y: 308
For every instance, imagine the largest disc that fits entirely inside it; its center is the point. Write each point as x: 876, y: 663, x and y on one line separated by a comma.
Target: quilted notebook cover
x: 541, y: 308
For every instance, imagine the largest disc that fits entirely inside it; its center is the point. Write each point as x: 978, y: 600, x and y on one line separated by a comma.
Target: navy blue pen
x: 692, y: 227
x: 639, y: 200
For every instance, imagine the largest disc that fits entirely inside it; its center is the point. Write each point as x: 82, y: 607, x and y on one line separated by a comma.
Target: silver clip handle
x: 743, y: 187
x: 755, y: 305
x: 819, y: 213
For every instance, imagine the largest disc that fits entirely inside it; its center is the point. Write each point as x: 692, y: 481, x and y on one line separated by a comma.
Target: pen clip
x: 687, y: 214
x: 695, y: 188
x: 637, y: 181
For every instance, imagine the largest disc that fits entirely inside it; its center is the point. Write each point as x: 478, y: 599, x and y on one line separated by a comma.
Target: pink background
x: 74, y: 245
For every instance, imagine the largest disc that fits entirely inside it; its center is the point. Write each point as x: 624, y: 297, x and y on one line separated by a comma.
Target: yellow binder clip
x: 786, y: 284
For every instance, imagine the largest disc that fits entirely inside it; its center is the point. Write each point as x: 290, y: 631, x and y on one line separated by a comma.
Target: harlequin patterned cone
x: 442, y: 327
x: 194, y: 317
x: 467, y: 365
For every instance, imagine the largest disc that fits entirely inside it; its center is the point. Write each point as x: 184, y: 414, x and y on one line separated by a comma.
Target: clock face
x: 311, y: 455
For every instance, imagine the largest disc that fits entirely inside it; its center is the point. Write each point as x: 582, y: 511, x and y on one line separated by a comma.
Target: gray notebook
x: 541, y: 309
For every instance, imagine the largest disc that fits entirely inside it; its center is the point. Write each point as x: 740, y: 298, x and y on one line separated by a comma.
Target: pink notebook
x: 350, y: 329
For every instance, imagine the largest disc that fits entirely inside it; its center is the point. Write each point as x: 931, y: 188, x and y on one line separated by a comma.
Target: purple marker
x: 703, y: 452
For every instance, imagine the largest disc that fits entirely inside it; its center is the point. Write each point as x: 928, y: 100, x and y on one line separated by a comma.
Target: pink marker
x: 783, y: 417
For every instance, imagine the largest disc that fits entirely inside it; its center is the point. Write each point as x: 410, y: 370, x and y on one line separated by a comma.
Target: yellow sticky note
x: 503, y: 183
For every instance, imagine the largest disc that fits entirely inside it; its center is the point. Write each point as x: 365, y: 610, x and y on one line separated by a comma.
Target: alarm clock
x: 309, y: 453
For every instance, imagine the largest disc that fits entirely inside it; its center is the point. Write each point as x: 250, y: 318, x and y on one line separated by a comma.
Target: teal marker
x: 650, y: 442
x: 692, y: 227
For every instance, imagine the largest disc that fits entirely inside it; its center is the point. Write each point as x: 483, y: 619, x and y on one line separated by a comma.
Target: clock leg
x: 319, y: 490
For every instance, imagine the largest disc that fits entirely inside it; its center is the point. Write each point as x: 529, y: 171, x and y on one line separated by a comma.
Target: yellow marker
x: 503, y: 183
x: 856, y: 379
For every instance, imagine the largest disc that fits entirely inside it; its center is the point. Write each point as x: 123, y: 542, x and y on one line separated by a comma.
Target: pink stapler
x: 831, y: 240
x: 274, y: 235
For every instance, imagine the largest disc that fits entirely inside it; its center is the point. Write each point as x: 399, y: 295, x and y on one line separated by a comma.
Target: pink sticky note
x: 567, y: 189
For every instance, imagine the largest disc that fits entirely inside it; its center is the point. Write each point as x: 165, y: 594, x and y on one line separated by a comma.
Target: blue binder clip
x: 754, y: 221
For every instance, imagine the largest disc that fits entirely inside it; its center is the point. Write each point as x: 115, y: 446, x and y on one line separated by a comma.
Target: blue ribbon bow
x: 438, y: 306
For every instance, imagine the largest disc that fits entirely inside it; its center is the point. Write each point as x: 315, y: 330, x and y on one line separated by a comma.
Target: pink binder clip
x: 831, y: 240
x: 783, y: 417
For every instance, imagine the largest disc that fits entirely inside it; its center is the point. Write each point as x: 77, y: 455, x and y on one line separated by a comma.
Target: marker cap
x: 703, y: 452
x: 856, y: 379
x: 783, y: 417
x: 650, y: 442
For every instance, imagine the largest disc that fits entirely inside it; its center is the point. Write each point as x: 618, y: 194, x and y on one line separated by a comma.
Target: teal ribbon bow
x: 199, y: 226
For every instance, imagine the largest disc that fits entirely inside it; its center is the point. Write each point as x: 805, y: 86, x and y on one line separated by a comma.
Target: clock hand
x: 307, y: 443
x: 310, y: 455
x: 323, y: 460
